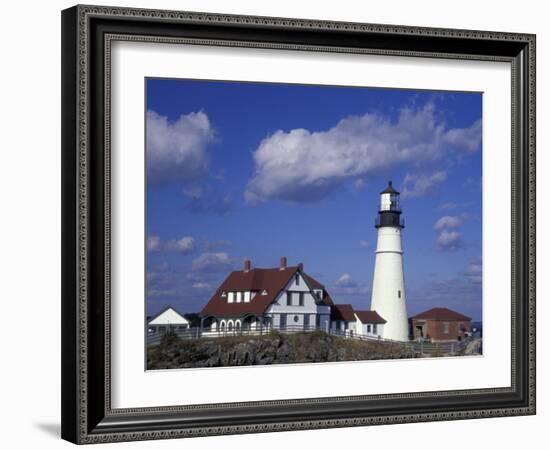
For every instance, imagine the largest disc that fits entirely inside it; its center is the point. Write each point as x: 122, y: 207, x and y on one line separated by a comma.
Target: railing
x: 430, y: 348
x: 197, y: 332
x: 416, y: 347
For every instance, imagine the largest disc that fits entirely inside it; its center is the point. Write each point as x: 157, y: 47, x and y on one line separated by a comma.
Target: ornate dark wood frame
x: 87, y: 32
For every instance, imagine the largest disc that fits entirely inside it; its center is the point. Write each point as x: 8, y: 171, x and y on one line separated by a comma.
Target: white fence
x: 417, y: 347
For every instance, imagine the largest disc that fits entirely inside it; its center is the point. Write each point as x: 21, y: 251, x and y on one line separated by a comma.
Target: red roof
x: 369, y: 317
x: 342, y: 312
x: 312, y: 282
x: 327, y: 300
x: 441, y: 314
x: 256, y: 280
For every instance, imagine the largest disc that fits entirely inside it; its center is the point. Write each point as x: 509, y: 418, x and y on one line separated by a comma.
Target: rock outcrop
x: 274, y: 348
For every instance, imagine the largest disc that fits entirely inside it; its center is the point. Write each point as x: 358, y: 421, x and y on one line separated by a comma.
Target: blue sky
x: 259, y: 171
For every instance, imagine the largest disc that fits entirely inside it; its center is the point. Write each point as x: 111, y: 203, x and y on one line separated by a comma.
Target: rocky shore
x: 274, y: 348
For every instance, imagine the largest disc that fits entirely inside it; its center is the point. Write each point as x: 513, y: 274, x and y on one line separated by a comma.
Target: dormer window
x: 239, y: 297
x: 264, y: 292
x: 224, y: 294
x: 231, y: 297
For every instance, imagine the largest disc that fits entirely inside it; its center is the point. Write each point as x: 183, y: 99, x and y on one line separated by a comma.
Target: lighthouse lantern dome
x: 389, y: 199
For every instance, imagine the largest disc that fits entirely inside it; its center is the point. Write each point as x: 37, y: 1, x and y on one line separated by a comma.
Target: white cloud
x: 201, y: 286
x: 305, y: 166
x: 213, y: 262
x: 448, y: 222
x: 153, y: 243
x: 466, y: 139
x: 194, y: 192
x: 364, y: 244
x: 417, y: 185
x: 474, y: 271
x: 177, y: 150
x: 345, y: 281
x: 359, y: 184
x: 448, y: 205
x: 449, y: 240
x: 184, y: 245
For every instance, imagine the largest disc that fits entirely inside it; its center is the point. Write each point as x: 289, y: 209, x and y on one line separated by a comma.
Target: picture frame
x: 87, y: 35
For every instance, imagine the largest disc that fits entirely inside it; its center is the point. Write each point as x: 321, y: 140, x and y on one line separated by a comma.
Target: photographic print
x: 291, y: 223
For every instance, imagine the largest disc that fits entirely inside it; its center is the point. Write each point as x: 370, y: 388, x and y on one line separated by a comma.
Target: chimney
x: 301, y: 267
x: 246, y: 265
x: 282, y: 265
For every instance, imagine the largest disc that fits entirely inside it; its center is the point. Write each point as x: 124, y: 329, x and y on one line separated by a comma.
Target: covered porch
x: 246, y: 324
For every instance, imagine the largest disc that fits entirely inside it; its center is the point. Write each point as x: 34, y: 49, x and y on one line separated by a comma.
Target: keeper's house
x: 440, y: 325
x: 280, y: 298
x: 283, y: 298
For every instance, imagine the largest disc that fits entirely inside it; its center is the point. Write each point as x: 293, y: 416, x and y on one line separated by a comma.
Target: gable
x: 297, y: 283
x: 169, y: 317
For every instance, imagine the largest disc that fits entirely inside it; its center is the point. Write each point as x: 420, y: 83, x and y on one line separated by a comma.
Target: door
x: 282, y: 321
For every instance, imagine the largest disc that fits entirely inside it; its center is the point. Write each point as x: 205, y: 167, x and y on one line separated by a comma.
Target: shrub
x: 169, y: 338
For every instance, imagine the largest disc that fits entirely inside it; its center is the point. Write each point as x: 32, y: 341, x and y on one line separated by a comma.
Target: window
x: 239, y: 297
x: 375, y: 328
x: 306, y: 321
x: 224, y: 294
x: 301, y: 301
x: 231, y: 297
x: 282, y: 321
x: 398, y: 294
x: 297, y: 279
x: 289, y: 298
x: 445, y: 327
x: 369, y: 328
x: 296, y: 319
x: 264, y: 292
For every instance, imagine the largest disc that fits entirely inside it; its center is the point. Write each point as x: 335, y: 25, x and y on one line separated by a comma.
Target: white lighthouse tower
x: 388, y: 287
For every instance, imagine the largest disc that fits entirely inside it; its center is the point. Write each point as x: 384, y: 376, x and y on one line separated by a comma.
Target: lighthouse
x: 388, y: 286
